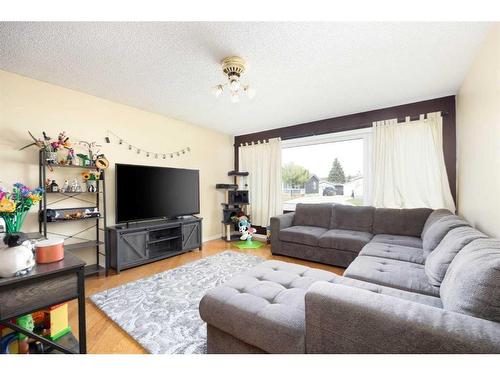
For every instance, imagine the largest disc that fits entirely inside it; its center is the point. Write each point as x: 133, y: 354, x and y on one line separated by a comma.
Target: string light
x: 121, y: 141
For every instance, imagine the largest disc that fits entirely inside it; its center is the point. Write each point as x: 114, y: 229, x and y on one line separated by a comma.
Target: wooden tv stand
x: 132, y: 245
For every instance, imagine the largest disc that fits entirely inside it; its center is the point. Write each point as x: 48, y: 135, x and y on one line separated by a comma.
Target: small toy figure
x: 70, y: 158
x: 84, y: 159
x: 27, y: 323
x: 75, y: 186
x: 245, y: 228
x: 53, y: 187
x: 65, y: 187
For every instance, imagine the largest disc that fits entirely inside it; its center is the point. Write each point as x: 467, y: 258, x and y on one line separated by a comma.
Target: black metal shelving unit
x: 99, y: 243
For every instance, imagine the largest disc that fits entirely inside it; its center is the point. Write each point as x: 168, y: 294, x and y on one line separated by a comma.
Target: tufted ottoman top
x: 264, y: 306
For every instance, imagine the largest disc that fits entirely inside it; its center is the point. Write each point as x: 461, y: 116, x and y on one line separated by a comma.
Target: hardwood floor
x: 104, y: 336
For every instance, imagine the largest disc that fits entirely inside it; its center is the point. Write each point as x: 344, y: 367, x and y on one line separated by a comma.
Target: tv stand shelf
x: 136, y: 244
x: 163, y: 239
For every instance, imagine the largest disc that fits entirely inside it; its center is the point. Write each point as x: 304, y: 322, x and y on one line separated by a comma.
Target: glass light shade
x: 234, y: 84
x: 217, y: 90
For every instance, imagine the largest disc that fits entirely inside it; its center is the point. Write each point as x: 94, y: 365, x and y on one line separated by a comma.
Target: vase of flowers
x: 90, y: 178
x: 14, y: 206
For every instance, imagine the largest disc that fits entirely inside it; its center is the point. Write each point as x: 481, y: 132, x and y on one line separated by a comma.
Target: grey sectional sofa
x: 438, y: 292
x: 335, y: 234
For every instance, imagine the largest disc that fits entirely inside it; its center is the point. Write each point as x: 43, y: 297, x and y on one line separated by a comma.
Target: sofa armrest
x: 282, y: 221
x: 278, y: 223
x: 343, y: 319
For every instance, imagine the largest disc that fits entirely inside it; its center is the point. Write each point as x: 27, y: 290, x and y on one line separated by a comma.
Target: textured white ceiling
x: 302, y: 71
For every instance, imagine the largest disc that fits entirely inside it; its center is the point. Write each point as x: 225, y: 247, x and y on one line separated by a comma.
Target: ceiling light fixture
x: 233, y: 67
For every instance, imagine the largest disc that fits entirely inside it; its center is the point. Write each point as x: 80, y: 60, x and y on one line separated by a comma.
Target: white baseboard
x: 212, y: 237
x: 261, y: 236
x: 219, y: 236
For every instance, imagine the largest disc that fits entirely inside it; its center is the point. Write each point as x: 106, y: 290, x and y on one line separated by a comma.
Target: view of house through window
x: 330, y: 171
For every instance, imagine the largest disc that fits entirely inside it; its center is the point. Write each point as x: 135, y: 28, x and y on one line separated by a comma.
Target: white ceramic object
x: 16, y: 259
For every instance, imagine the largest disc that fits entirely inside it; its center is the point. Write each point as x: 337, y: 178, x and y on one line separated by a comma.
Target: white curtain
x: 408, y: 164
x: 263, y: 162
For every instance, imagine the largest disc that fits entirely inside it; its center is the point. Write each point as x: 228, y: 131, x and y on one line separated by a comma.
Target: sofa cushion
x: 302, y: 234
x: 264, y: 306
x: 392, y: 273
x: 440, y: 228
x: 379, y: 289
x: 318, y: 254
x: 359, y: 218
x: 438, y: 261
x: 396, y: 252
x: 403, y: 222
x: 313, y: 215
x: 471, y: 285
x: 394, y: 239
x: 435, y: 216
x: 341, y: 239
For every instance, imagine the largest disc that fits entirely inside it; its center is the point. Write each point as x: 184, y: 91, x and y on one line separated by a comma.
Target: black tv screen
x: 144, y: 192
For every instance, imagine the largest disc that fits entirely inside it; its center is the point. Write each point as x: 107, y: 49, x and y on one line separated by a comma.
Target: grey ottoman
x: 260, y: 310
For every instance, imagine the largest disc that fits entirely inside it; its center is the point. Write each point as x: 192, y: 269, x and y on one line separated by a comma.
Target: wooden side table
x: 46, y: 285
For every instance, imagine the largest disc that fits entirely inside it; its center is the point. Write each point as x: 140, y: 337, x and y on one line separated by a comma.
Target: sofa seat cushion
x: 396, y: 252
x: 471, y: 285
x: 439, y: 260
x: 313, y: 215
x: 302, y: 234
x: 394, y: 239
x: 264, y: 306
x: 347, y: 240
x: 379, y: 289
x: 392, y: 273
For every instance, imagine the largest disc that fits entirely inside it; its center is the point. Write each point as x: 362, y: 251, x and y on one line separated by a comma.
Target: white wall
x: 27, y: 104
x: 478, y: 139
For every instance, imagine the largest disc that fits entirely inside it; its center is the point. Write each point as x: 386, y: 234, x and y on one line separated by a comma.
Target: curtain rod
x: 286, y: 138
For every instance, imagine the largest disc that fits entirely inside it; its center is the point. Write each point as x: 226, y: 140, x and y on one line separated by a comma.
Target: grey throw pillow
x: 439, y: 260
x: 472, y: 284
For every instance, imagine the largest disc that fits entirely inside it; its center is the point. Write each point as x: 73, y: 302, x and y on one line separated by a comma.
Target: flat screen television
x: 146, y: 193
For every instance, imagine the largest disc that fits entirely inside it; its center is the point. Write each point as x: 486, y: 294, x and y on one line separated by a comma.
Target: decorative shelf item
x: 95, y: 214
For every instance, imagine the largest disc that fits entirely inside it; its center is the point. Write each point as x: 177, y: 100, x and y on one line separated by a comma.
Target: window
x: 330, y: 168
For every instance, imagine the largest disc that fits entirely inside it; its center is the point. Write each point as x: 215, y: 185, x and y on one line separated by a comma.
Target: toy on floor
x: 8, y: 340
x: 51, y: 323
x: 245, y: 228
x: 56, y: 321
x: 26, y: 322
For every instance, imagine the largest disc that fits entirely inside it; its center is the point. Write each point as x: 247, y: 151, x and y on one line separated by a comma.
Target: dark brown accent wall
x: 364, y: 120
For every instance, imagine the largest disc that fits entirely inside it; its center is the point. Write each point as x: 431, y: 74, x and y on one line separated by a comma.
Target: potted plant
x: 14, y: 206
x: 90, y: 179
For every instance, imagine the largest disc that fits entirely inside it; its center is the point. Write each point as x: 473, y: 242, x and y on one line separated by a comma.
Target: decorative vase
x: 91, y: 186
x: 14, y: 221
x: 51, y: 157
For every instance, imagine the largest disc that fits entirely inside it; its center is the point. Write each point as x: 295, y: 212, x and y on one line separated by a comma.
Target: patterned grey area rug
x: 161, y: 311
